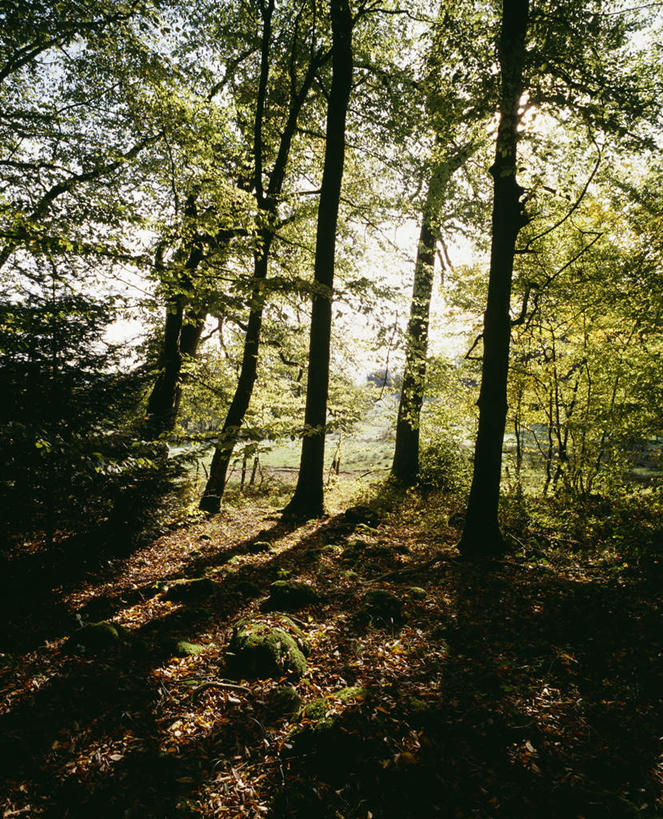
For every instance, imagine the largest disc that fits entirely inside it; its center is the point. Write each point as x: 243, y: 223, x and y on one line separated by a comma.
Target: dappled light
x: 331, y: 436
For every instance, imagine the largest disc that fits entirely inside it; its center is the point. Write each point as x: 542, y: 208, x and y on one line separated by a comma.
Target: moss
x: 186, y: 590
x: 416, y: 704
x: 369, y: 530
x: 318, y: 709
x: 417, y: 593
x: 260, y: 649
x: 352, y: 693
x: 284, y: 701
x: 261, y: 546
x: 290, y: 595
x: 315, y: 710
x: 183, y: 648
x: 97, y: 637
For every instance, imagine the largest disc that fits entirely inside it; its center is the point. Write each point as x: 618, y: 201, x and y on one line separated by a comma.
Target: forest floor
x: 526, y: 687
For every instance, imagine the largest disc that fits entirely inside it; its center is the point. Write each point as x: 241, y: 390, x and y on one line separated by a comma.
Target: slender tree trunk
x: 481, y: 534
x: 267, y: 204
x: 190, y: 335
x: 308, y: 498
x: 181, y: 337
x: 405, y: 466
x: 228, y: 437
x: 254, y: 470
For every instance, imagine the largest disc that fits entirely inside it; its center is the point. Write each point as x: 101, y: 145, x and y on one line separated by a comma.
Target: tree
x: 576, y: 55
x: 267, y: 196
x: 307, y: 500
x: 481, y: 532
x: 457, y: 99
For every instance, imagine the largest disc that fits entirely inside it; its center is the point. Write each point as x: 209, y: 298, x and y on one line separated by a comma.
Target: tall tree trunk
x: 267, y: 202
x: 405, y: 466
x: 481, y: 534
x: 216, y: 483
x: 307, y: 500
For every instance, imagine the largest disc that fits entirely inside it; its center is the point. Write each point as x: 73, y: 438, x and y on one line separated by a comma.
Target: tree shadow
x: 543, y: 703
x: 526, y: 692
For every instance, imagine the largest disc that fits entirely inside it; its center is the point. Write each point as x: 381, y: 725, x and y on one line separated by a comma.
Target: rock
x: 362, y: 514
x: 261, y: 648
x: 284, y: 701
x: 416, y: 592
x: 246, y: 589
x: 183, y: 648
x: 97, y: 637
x: 381, y: 606
x: 290, y: 595
x: 188, y: 590
x: 319, y: 708
x: 331, y: 746
x: 260, y: 546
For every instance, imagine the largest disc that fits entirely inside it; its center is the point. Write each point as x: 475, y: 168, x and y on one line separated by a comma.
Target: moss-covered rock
x: 284, y: 701
x: 328, y: 739
x: 261, y: 648
x: 183, y: 648
x: 261, y: 546
x: 315, y: 710
x: 319, y: 708
x: 369, y: 530
x: 362, y: 514
x: 190, y: 590
x: 290, y: 595
x: 97, y: 637
x: 382, y: 607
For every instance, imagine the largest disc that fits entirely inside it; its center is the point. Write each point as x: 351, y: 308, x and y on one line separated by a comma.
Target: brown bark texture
x: 481, y: 533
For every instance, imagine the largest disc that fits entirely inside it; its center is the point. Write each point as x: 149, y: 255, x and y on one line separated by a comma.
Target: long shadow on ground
x: 529, y: 694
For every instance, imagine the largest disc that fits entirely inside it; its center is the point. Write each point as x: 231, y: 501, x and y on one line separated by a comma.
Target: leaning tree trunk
x: 216, y: 483
x: 308, y: 498
x: 405, y: 467
x: 481, y: 534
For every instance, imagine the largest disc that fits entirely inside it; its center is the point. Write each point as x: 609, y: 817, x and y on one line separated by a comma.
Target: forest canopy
x: 180, y: 184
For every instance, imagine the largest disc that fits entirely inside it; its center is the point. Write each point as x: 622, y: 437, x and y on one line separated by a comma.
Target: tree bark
x: 405, y: 466
x: 307, y: 500
x: 267, y: 204
x: 481, y: 534
x: 216, y: 483
x: 181, y: 337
